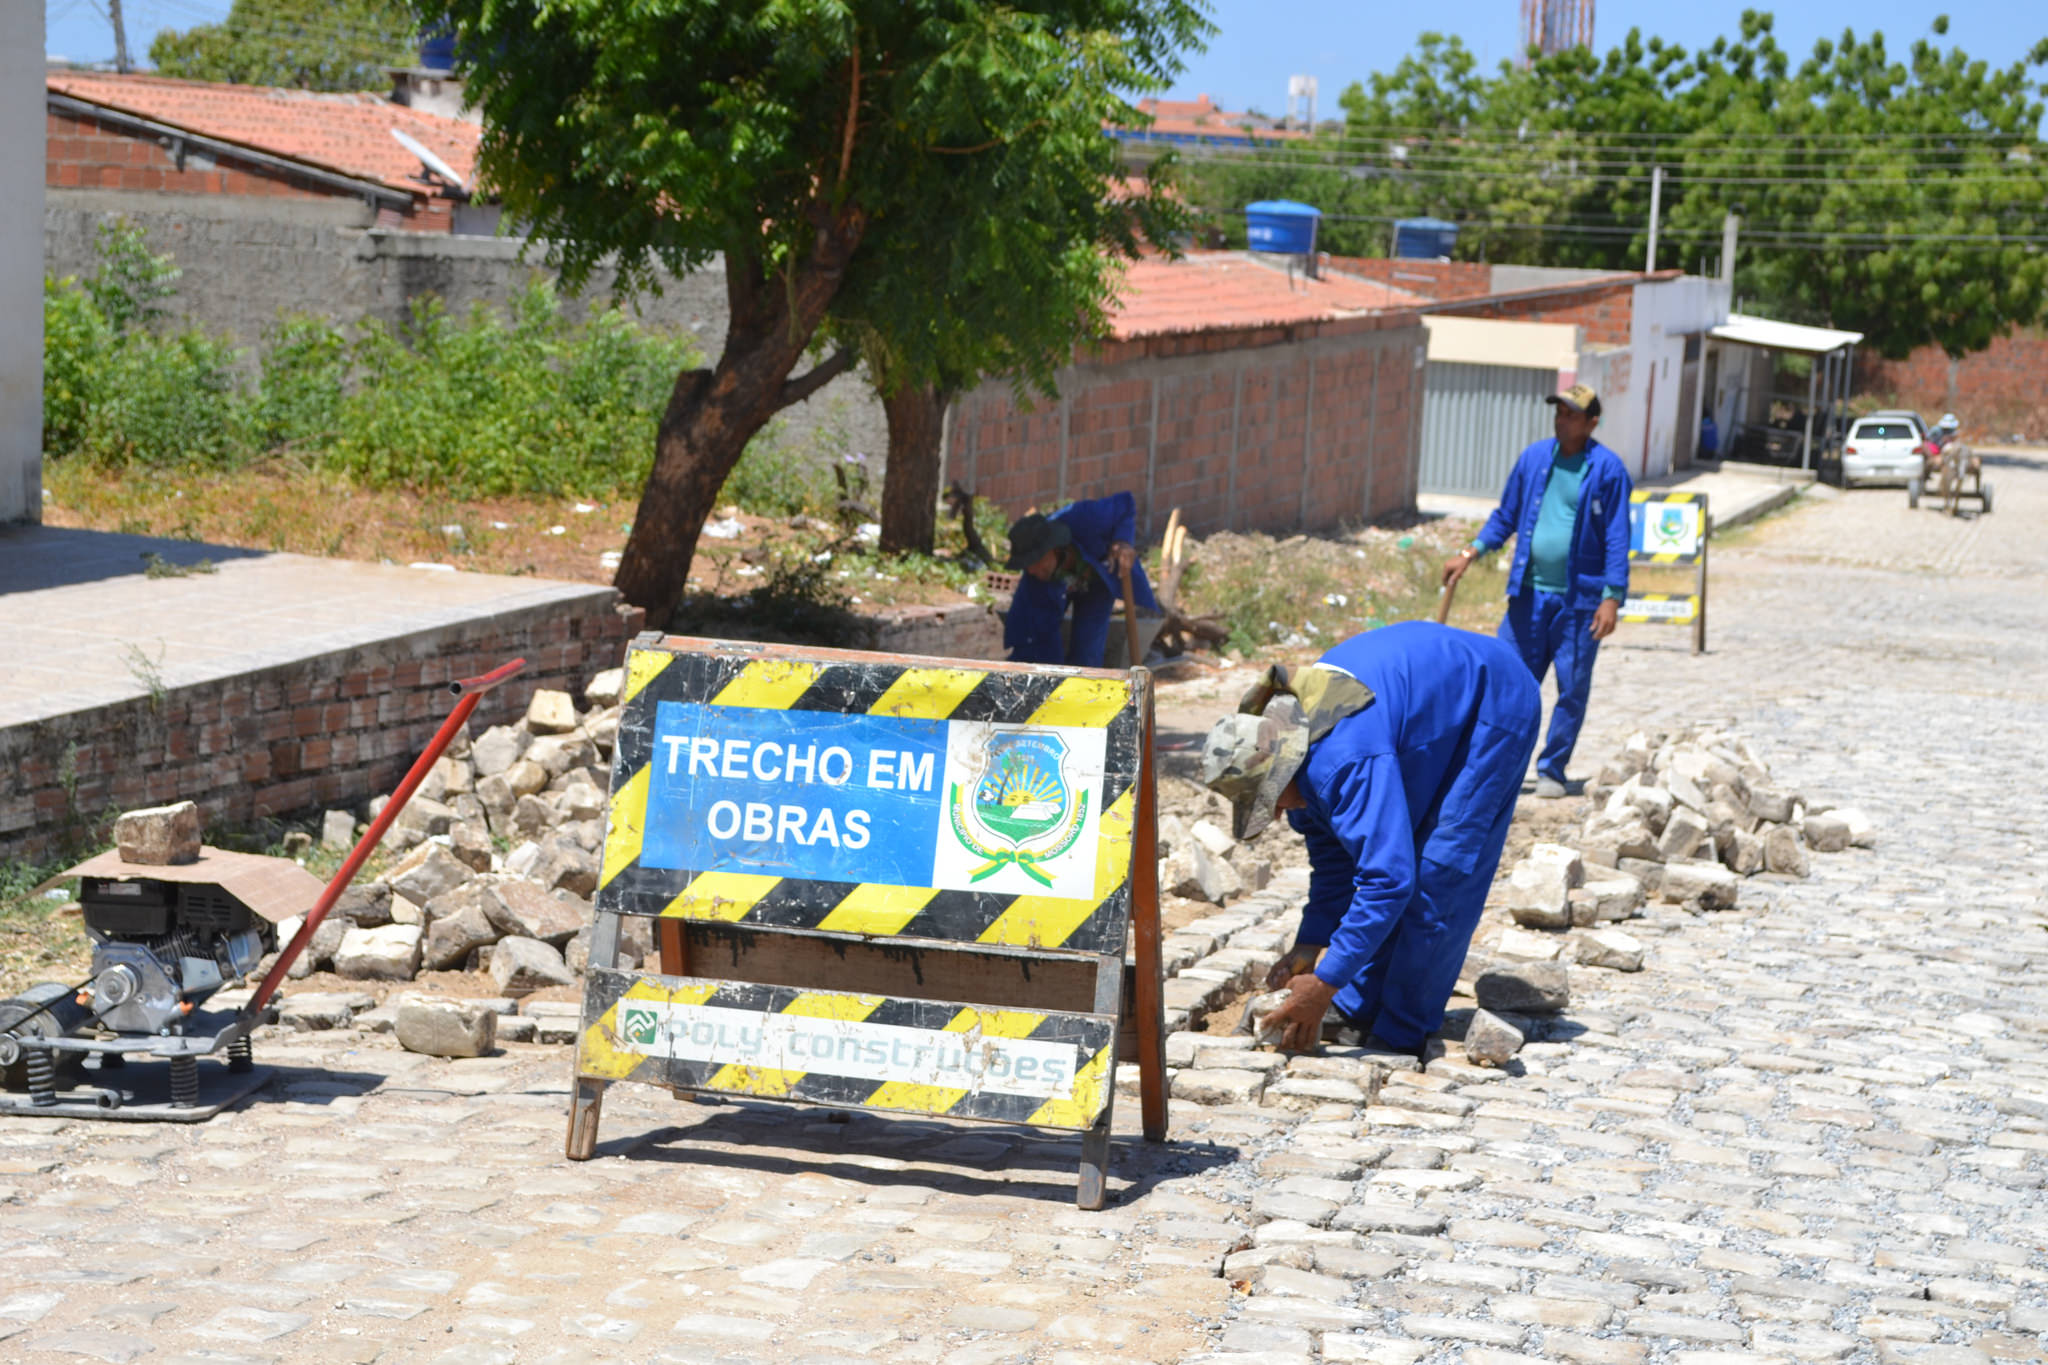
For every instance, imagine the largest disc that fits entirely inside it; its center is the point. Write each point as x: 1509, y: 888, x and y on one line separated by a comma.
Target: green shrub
x: 131, y: 283
x: 777, y: 478
x: 530, y: 405
x: 75, y: 338
x: 304, y: 374
x: 167, y: 401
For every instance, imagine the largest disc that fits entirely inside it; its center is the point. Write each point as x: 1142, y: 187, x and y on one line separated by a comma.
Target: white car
x: 1882, y: 449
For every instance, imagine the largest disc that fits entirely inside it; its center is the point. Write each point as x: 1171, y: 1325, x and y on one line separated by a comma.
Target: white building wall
x: 1640, y: 384
x: 21, y: 262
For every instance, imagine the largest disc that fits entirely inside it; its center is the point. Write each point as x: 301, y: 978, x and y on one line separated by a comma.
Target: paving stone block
x: 1219, y: 1086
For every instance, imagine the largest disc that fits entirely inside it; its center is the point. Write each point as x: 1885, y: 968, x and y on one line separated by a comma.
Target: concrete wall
x: 1280, y: 429
x: 247, y: 261
x: 21, y: 284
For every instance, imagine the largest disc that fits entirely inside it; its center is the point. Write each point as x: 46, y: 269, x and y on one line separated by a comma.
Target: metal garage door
x: 1475, y: 420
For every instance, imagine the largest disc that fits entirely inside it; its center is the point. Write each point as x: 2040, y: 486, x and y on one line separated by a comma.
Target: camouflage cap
x: 1251, y: 759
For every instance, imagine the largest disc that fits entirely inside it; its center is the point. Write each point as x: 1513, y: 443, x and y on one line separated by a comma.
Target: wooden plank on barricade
x: 880, y: 882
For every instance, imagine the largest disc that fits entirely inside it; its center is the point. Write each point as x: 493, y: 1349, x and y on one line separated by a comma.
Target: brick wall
x: 324, y: 732
x: 83, y: 153
x: 1280, y: 429
x: 1996, y: 392
x: 1431, y: 279
x: 1605, y: 311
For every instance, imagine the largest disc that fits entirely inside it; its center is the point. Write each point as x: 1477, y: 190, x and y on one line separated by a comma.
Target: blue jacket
x: 1380, y: 784
x: 1032, y: 629
x: 1599, y: 542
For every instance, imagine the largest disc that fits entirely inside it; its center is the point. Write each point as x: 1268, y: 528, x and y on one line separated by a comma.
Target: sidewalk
x: 1735, y: 493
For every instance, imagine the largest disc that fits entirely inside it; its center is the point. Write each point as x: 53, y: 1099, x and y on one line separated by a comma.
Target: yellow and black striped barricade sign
x: 1667, y: 528
x: 880, y: 882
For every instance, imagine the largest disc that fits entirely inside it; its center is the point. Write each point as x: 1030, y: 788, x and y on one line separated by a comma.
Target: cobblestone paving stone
x: 1815, y: 1129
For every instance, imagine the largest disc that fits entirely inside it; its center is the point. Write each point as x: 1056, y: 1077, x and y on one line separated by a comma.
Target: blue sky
x: 1262, y: 42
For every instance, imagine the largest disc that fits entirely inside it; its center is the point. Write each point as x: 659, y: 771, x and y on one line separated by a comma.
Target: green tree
x: 305, y: 44
x: 802, y: 142
x: 1906, y: 198
x: 1018, y: 264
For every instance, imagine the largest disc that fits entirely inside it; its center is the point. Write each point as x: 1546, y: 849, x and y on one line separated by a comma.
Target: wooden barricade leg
x: 587, y: 1104
x: 1145, y: 938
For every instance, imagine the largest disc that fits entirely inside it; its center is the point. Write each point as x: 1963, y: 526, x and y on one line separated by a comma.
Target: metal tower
x: 1554, y: 25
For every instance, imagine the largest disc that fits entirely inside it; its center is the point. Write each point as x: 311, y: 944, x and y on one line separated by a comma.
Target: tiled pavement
x: 84, y: 626
x: 1815, y: 1129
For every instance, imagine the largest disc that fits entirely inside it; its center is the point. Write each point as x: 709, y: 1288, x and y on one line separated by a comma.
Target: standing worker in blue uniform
x: 1566, y: 505
x: 1398, y: 757
x: 1074, y: 556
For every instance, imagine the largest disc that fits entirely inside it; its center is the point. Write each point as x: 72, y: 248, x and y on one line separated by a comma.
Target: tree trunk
x: 712, y: 414
x: 910, y: 486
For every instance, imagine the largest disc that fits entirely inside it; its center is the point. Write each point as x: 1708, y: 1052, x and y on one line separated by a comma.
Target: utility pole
x: 121, y: 63
x: 1730, y: 225
x: 1656, y: 202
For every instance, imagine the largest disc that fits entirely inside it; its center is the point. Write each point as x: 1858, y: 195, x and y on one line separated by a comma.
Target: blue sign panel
x: 1664, y: 529
x: 809, y: 794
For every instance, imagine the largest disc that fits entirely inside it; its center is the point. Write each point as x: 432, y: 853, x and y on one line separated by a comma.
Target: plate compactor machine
x: 167, y: 935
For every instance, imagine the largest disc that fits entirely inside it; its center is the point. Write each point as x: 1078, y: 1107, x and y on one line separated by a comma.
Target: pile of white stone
x: 501, y: 848
x: 1683, y: 817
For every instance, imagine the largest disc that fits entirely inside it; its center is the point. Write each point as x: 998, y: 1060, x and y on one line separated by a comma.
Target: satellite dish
x: 429, y: 160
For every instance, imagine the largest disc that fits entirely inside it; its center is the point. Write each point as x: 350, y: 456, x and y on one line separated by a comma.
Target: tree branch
x: 852, y: 115
x: 821, y: 374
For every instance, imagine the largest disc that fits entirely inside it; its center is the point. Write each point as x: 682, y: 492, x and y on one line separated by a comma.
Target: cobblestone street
x: 1814, y: 1129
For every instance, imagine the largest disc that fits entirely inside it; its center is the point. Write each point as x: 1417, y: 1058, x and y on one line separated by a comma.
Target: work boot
x: 1549, y: 788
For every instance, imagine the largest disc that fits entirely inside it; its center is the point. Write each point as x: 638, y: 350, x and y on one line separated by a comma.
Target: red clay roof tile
x: 1209, y: 290
x: 346, y: 133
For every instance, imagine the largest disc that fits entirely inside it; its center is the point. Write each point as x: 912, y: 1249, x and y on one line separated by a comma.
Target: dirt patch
x: 458, y: 985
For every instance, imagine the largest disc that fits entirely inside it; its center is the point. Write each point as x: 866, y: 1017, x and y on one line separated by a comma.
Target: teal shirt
x: 1550, y: 547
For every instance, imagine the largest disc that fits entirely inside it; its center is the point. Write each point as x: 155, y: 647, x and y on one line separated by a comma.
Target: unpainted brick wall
x: 1606, y: 312
x: 1279, y: 429
x: 326, y: 732
x: 1998, y: 392
x: 1431, y: 279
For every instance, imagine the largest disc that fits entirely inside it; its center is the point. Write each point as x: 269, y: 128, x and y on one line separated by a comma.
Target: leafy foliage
x: 532, y: 403
x: 813, y: 145
x: 306, y: 44
x: 1905, y: 197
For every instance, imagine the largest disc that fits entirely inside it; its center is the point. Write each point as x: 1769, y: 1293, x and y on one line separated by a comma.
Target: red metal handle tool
x: 468, y: 692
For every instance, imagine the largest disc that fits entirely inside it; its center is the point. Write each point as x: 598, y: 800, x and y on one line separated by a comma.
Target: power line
x: 1810, y: 240
x: 1558, y: 175
x: 1491, y: 134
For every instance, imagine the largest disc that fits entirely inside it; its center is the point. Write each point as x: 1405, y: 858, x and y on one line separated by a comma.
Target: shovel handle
x: 1123, y: 573
x: 1443, y: 601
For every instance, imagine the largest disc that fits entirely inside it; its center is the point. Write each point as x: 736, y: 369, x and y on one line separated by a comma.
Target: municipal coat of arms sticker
x: 1021, y: 809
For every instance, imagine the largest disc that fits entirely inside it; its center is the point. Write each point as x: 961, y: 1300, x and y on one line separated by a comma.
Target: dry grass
x: 1303, y: 594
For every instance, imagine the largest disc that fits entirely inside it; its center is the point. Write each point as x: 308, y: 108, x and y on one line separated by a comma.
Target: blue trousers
x: 1548, y: 634
x: 1401, y: 993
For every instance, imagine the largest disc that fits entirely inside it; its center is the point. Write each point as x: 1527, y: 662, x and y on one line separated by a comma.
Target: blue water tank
x: 437, y: 48
x: 1424, y: 239
x: 1281, y: 225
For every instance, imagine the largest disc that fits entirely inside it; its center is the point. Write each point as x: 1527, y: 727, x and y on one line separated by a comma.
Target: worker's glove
x: 1299, y: 960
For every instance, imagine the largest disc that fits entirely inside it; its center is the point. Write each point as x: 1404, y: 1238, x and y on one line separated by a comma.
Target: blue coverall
x: 1032, y: 629
x: 1407, y: 809
x: 1553, y: 629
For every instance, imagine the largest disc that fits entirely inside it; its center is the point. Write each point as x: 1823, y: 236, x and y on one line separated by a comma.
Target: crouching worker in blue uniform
x: 1072, y: 557
x: 1566, y: 505
x: 1397, y: 756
